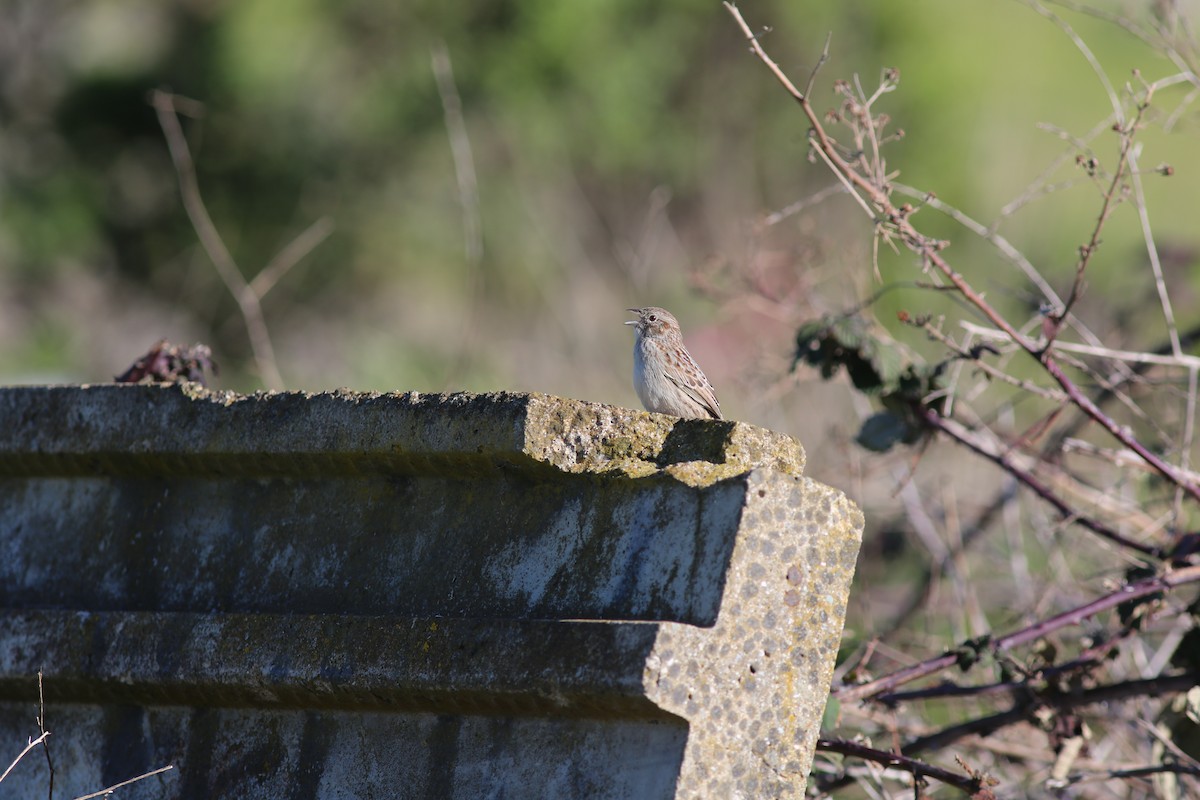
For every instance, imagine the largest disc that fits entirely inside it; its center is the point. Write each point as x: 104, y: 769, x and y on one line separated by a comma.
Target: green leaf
x: 878, y: 367
x: 833, y: 708
x: 882, y: 431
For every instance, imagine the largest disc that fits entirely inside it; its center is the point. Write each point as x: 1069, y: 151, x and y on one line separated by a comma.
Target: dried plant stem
x: 291, y: 254
x: 109, y: 790
x: 1131, y: 356
x: 1074, y: 616
x: 468, y: 199
x: 247, y: 295
x: 32, y: 744
x: 919, y: 769
x: 41, y: 721
x: 776, y: 217
x: 885, y: 213
x: 965, y: 353
x: 980, y: 727
x: 1006, y: 460
x: 213, y: 244
x: 460, y: 150
x: 1124, y: 690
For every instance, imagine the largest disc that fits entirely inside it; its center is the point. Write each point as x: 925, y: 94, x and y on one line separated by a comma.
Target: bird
x: 666, y: 377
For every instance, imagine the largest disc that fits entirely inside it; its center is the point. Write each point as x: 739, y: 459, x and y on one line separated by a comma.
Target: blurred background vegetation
x: 624, y: 153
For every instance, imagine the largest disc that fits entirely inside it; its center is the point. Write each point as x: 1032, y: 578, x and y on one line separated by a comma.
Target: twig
x: 1127, y: 130
x: 919, y: 769
x: 977, y: 361
x: 845, y: 183
x: 1164, y: 737
x: 1126, y: 24
x: 32, y: 744
x: 924, y: 585
x: 292, y: 253
x: 1041, y: 187
x: 983, y: 726
x: 1087, y: 659
x: 1005, y: 461
x: 756, y: 48
x: 1119, y: 432
x: 1189, y: 433
x: 460, y: 150
x: 468, y: 192
x: 812, y: 77
x: 213, y: 244
x: 115, y: 786
x: 1118, y: 458
x: 1187, y: 102
x: 929, y: 251
x: 1132, y: 356
x: 1160, y: 284
x: 247, y: 295
x: 1109, y: 390
x: 41, y: 721
x: 1006, y: 248
x: 776, y: 217
x: 1132, y: 772
x: 1025, y: 635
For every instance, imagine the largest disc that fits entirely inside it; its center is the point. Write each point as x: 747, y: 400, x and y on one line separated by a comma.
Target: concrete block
x: 451, y: 596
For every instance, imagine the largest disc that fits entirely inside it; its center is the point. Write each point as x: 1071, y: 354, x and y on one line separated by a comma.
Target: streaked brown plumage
x: 665, y: 375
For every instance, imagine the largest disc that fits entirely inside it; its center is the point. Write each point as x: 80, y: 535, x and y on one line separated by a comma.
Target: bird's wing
x: 702, y: 392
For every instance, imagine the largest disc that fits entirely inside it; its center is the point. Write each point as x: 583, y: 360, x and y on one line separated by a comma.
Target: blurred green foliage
x: 577, y: 113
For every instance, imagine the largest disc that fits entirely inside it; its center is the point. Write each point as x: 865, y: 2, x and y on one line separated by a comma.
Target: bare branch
x: 1129, y: 772
x: 32, y: 744
x: 468, y: 193
x: 970, y: 784
x: 792, y: 209
x: 460, y: 149
x: 292, y: 253
x: 820, y: 63
x: 1005, y: 460
x: 898, y: 221
x: 1134, y: 357
x: 115, y: 786
x: 41, y: 722
x: 1133, y: 591
x: 1124, y: 690
x: 213, y: 244
x: 1181, y: 62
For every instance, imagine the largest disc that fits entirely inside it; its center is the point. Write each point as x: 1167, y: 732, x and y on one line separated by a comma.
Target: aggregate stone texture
x: 411, y: 595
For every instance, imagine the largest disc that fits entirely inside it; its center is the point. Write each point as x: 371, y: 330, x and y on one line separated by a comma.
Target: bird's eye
x: 653, y: 318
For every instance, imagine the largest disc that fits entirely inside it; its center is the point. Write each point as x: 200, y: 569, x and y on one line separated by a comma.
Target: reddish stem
x: 1025, y: 635
x: 968, y: 783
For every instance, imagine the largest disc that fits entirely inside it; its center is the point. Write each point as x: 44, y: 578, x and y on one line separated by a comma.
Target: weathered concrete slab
x: 310, y: 595
x: 118, y: 429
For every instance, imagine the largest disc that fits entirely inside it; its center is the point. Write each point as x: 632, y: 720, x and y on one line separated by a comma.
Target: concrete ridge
x: 184, y: 429
x: 342, y: 662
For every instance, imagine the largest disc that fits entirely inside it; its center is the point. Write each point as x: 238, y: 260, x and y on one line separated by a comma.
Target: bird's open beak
x: 633, y: 311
